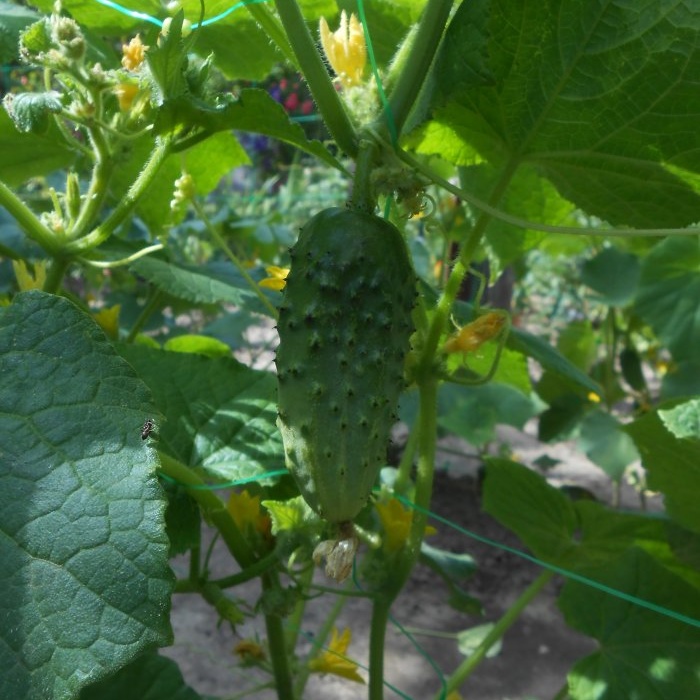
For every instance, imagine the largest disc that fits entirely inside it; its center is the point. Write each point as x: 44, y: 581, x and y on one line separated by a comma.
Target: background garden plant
x: 494, y: 134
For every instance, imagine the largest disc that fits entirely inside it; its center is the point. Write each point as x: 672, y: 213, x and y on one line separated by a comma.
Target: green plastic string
x: 424, y: 654
x: 410, y: 637
x: 388, y: 114
x: 680, y: 617
x: 226, y: 484
x: 135, y: 14
x: 557, y: 569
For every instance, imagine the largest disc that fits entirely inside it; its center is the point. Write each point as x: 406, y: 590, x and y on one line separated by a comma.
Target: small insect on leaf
x: 472, y: 336
x: 148, y: 428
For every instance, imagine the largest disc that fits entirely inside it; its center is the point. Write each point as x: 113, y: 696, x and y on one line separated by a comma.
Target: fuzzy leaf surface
x: 86, y: 582
x: 600, y: 98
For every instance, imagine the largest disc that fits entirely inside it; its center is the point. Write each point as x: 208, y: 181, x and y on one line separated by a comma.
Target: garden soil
x: 536, y: 654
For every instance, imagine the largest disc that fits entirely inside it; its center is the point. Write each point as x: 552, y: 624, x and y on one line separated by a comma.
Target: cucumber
x: 344, y: 329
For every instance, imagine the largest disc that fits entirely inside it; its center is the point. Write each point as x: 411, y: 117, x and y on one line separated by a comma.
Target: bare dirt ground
x: 537, y: 651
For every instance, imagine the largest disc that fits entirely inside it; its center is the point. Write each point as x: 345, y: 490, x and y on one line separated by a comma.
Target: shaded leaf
x: 606, y: 445
x: 668, y: 292
x: 85, y: 557
x: 220, y: 414
x: 210, y: 284
x: 13, y: 20
x: 673, y: 465
x: 613, y: 274
x: 454, y: 569
x: 150, y: 677
x: 642, y: 654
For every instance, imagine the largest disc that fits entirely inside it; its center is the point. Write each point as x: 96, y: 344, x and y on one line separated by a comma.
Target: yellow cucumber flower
x: 396, y: 520
x: 108, y: 320
x: 249, y: 652
x: 277, y: 279
x: 133, y: 53
x: 345, y: 48
x: 246, y: 513
x: 472, y: 336
x: 334, y: 661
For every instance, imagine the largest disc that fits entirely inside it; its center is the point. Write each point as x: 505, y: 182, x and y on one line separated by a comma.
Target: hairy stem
x: 430, y: 30
x: 277, y: 644
x: 126, y: 205
x: 212, y: 506
x: 54, y: 277
x: 150, y: 306
x: 27, y: 221
x: 324, y: 93
x: 380, y: 617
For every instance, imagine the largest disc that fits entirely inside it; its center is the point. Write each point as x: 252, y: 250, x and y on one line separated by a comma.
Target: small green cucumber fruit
x: 344, y: 329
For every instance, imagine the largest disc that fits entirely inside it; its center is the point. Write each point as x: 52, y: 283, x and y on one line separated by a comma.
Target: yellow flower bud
x: 345, y: 49
x: 133, y: 53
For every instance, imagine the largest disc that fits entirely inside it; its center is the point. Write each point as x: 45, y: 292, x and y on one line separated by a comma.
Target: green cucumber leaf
x: 673, y: 466
x: 202, y: 284
x: 604, y: 443
x: 30, y: 155
x: 104, y: 20
x: 522, y: 501
x: 149, y: 677
x: 597, y: 99
x: 614, y: 275
x: 454, y: 569
x: 643, y: 654
x: 683, y: 420
x: 85, y: 556
x: 220, y: 414
x: 668, y: 294
x: 254, y: 111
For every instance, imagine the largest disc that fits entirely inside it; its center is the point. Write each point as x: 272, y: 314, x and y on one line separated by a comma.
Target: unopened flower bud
x: 72, y: 195
x: 133, y: 53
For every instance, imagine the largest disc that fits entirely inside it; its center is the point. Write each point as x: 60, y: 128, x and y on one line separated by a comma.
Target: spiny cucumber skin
x: 344, y: 329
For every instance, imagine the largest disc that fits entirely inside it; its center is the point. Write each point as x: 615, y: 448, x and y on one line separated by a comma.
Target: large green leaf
x: 668, y: 295
x: 207, y: 162
x: 220, y: 414
x: 30, y: 155
x: 150, y: 677
x: 105, y: 20
x: 673, y: 465
x: 613, y: 274
x: 256, y: 111
x: 643, y: 655
x: 606, y: 445
x: 521, y: 500
x: 209, y: 284
x: 572, y: 535
x: 550, y: 359
x: 85, y: 558
x: 599, y: 99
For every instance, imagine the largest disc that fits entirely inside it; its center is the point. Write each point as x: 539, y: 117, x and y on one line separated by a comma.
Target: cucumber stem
x: 316, y: 76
